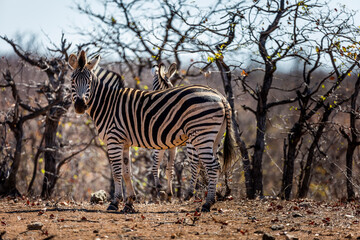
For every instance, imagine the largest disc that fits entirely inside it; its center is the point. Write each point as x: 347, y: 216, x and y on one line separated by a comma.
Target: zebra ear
x: 73, y: 62
x: 92, y: 64
x: 155, y: 70
x: 82, y: 59
x: 172, y: 70
x: 162, y: 71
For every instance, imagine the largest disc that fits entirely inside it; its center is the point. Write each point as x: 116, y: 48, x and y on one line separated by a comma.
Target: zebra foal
x: 124, y: 117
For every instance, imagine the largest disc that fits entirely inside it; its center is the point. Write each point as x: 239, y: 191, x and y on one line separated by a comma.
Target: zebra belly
x: 179, y: 140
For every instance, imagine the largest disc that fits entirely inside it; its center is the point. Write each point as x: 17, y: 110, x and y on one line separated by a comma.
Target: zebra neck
x: 103, y: 97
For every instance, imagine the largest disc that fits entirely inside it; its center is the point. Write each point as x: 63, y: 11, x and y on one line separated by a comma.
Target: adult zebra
x: 163, y: 119
x: 161, y: 81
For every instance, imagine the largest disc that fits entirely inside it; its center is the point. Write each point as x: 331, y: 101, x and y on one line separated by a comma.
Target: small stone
x: 277, y: 227
x: 290, y: 237
x: 295, y: 215
x: 350, y: 236
x: 126, y: 229
x: 267, y: 236
x: 305, y: 204
x: 98, y: 197
x: 35, y: 226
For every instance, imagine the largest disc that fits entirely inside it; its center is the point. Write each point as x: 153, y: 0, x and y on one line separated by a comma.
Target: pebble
x: 267, y: 236
x: 277, y: 227
x: 35, y: 226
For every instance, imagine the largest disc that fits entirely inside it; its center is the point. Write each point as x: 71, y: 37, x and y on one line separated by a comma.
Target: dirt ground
x: 258, y: 219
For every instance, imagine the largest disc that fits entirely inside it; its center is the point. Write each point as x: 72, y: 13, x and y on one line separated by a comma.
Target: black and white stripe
x: 161, y: 81
x: 196, y: 115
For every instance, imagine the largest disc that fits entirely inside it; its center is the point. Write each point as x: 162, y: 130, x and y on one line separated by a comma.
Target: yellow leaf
x: 42, y: 171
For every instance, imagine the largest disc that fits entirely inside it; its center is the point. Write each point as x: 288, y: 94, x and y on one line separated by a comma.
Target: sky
x: 48, y: 19
x: 45, y: 19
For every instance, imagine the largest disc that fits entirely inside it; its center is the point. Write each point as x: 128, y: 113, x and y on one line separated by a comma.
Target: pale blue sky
x: 52, y: 17
x: 40, y: 17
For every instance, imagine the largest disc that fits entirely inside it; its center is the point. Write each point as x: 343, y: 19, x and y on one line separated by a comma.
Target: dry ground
x: 258, y: 219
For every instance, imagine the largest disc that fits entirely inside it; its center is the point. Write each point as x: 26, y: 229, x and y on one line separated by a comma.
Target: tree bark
x: 50, y: 157
x: 261, y: 117
x: 36, y: 157
x: 8, y: 187
x: 305, y: 181
x: 226, y: 77
x: 288, y: 168
x: 349, y: 183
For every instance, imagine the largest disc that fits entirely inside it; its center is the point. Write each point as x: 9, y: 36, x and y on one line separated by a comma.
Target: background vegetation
x: 289, y: 69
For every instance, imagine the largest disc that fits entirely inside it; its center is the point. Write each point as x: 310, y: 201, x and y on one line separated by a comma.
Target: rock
x: 290, y: 237
x: 277, y: 227
x: 127, y: 229
x: 35, y: 226
x: 295, y: 215
x: 268, y: 237
x: 305, y: 204
x: 98, y: 197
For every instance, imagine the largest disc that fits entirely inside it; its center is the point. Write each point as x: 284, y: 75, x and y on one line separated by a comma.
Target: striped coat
x: 196, y: 115
x: 161, y: 81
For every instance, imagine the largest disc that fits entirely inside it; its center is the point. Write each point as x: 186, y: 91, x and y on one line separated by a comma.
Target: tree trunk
x: 8, y: 186
x: 349, y: 183
x: 288, y: 168
x: 305, y: 182
x: 226, y: 77
x: 50, y: 157
x: 261, y: 117
x: 352, y: 142
x: 36, y: 157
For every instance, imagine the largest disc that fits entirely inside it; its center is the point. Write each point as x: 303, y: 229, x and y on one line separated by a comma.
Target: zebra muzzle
x: 80, y: 106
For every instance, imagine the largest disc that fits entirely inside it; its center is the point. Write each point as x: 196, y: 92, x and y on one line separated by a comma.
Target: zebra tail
x: 229, y: 142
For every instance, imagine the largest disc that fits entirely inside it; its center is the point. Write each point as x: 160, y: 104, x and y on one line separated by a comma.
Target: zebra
x: 164, y: 119
x: 161, y: 81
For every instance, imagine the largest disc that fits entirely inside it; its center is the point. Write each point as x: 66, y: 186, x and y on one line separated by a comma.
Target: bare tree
x: 16, y: 119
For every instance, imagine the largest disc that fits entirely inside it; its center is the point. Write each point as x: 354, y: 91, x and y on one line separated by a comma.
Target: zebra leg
x: 194, y: 165
x: 157, y: 157
x: 126, y: 173
x: 211, y: 164
x: 115, y: 152
x: 170, y: 172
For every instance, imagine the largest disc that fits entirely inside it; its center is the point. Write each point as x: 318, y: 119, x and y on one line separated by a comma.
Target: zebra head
x: 162, y: 77
x: 81, y: 79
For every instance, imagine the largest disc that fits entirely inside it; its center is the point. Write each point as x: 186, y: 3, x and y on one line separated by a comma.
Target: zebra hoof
x: 112, y: 207
x: 169, y: 198
x: 206, y: 207
x: 129, y: 208
x: 162, y: 196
